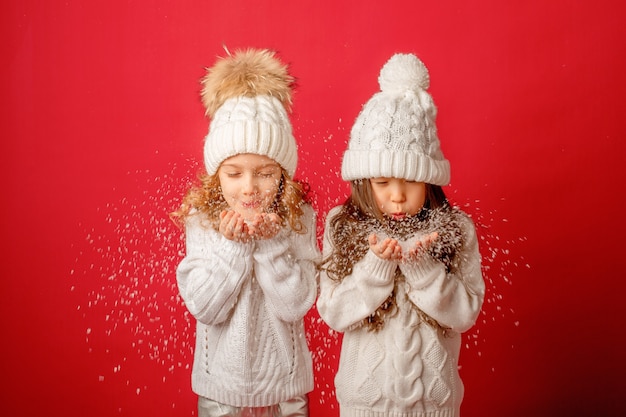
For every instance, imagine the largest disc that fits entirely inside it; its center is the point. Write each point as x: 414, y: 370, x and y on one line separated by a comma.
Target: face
x: 398, y: 198
x: 249, y: 183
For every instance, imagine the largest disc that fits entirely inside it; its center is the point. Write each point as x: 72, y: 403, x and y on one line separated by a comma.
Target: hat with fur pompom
x: 395, y: 133
x: 247, y: 96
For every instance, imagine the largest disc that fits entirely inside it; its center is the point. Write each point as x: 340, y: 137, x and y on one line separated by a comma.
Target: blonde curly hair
x: 207, y: 199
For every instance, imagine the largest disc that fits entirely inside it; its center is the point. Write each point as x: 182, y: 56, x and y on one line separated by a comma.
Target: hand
x: 420, y: 245
x: 233, y: 227
x: 388, y: 249
x: 264, y: 226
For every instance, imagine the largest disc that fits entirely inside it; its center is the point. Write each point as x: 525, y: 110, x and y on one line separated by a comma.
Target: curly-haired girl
x: 248, y: 276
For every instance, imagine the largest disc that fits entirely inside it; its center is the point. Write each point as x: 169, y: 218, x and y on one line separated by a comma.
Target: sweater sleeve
x: 211, y: 274
x: 284, y: 267
x: 453, y: 299
x: 344, y: 303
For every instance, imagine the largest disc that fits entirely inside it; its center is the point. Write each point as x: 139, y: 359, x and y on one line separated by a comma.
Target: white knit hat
x: 247, y: 96
x: 395, y: 134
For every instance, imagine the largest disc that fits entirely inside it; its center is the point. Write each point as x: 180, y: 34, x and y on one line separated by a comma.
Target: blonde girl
x: 248, y: 275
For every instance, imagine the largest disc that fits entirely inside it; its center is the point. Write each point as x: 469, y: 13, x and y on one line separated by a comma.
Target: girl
x: 401, y: 275
x: 248, y: 276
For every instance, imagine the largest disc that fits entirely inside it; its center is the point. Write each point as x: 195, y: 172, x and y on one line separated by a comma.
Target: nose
x: 249, y: 185
x: 398, y: 194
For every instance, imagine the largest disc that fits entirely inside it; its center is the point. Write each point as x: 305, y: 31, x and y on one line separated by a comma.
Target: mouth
x: 251, y: 205
x: 397, y: 216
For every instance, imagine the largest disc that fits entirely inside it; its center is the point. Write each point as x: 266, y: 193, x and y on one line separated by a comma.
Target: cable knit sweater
x: 249, y: 300
x: 408, y: 368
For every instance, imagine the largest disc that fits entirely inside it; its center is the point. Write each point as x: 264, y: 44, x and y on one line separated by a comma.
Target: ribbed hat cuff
x: 250, y: 136
x: 363, y: 164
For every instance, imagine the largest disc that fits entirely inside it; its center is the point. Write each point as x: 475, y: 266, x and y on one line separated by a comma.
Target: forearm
x: 212, y: 273
x: 358, y: 295
x: 453, y: 299
x: 288, y: 283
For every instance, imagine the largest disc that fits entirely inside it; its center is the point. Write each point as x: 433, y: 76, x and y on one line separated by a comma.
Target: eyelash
x: 259, y: 174
x: 387, y: 182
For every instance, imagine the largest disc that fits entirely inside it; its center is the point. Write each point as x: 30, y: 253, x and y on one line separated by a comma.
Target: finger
x: 390, y: 249
x: 251, y: 224
x: 257, y: 219
x: 230, y: 218
x: 228, y: 230
x: 273, y: 218
x: 395, y: 253
x: 266, y: 221
x: 241, y: 228
x: 392, y: 244
x: 259, y: 224
x: 418, y: 246
x: 224, y: 222
x: 230, y: 222
x: 385, y: 243
x: 431, y: 238
x: 223, y: 219
x: 272, y: 224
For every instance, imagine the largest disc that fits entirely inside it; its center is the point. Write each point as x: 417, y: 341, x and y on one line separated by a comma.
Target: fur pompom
x: 248, y: 73
x: 403, y: 72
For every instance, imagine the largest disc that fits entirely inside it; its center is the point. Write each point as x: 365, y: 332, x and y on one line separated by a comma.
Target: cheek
x: 227, y: 190
x: 419, y: 201
x: 379, y: 198
x: 270, y: 188
x: 229, y: 197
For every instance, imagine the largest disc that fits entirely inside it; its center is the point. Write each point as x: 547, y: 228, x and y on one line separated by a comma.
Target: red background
x: 102, y: 131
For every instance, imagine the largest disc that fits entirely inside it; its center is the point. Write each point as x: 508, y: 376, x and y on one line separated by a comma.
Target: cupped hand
x: 264, y: 226
x: 233, y: 227
x: 421, y: 244
x: 387, y: 248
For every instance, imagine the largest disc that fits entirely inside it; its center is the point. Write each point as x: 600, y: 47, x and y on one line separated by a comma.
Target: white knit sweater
x: 249, y: 300
x: 408, y: 368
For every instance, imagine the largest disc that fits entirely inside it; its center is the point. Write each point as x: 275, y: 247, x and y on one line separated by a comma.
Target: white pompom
x: 403, y: 72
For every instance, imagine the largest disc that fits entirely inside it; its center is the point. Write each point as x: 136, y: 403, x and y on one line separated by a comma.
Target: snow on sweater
x: 408, y: 368
x: 249, y: 300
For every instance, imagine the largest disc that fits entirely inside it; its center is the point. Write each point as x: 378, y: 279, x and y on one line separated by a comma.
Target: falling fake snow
x: 131, y: 285
x: 500, y: 262
x: 126, y: 277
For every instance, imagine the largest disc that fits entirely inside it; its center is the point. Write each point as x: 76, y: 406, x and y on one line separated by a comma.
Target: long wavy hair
x: 360, y: 216
x: 206, y: 198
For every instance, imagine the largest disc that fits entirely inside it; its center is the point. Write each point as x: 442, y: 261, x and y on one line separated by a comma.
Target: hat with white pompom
x: 395, y: 134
